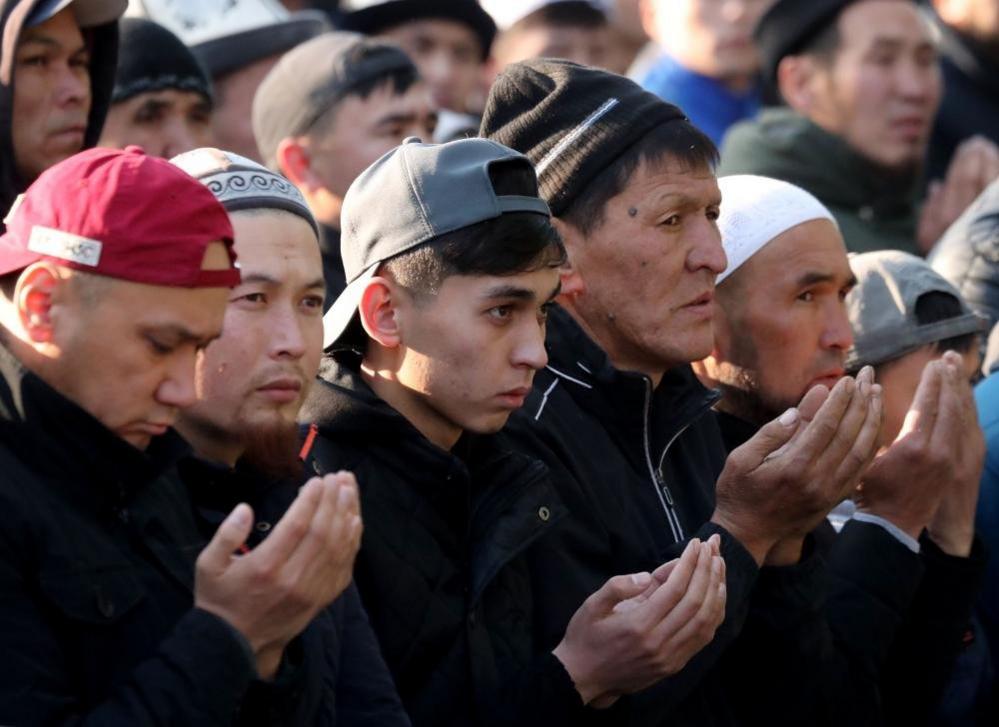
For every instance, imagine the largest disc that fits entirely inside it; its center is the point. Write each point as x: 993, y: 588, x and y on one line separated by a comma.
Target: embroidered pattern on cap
x: 65, y: 246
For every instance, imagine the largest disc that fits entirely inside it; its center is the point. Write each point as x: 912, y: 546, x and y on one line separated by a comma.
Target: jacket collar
x: 60, y: 439
x: 624, y: 400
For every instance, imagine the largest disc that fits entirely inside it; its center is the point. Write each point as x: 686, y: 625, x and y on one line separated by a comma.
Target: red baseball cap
x: 121, y: 214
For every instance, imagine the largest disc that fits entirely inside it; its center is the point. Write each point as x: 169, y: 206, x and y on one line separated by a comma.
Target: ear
x: 294, y: 162
x: 378, y: 312
x: 33, y: 298
x: 572, y: 238
x: 796, y: 77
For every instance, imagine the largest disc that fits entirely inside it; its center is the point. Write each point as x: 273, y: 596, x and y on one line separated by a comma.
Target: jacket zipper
x: 661, y: 488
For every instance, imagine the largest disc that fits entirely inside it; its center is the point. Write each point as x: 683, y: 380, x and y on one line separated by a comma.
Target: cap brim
x: 88, y: 13
x: 338, y: 318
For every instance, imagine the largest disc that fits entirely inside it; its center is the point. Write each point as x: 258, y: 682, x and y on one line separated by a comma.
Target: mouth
x: 283, y: 390
x: 827, y: 379
x: 702, y: 305
x: 911, y: 128
x: 514, y: 398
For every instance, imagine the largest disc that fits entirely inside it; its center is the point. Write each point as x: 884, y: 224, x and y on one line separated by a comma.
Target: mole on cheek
x: 632, y: 212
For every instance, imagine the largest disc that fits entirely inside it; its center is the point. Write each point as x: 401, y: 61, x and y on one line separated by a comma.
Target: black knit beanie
x: 151, y: 58
x: 570, y: 120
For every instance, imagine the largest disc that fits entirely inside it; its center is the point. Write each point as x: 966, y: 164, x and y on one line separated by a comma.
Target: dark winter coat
x: 339, y: 677
x: 97, y: 551
x: 103, y: 44
x: 970, y: 104
x: 875, y: 210
x: 441, y: 568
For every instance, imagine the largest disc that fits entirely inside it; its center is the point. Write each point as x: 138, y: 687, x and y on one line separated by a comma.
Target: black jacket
x: 103, y: 44
x: 636, y: 468
x: 970, y: 102
x: 894, y: 621
x: 335, y: 674
x: 441, y: 568
x: 968, y: 254
x: 97, y: 551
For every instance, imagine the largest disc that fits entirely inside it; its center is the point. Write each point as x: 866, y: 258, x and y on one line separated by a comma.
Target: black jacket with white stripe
x: 636, y: 466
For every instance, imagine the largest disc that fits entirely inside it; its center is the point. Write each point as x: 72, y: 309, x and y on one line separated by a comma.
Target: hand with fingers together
x: 779, y: 485
x: 904, y: 483
x: 638, y: 629
x: 271, y: 593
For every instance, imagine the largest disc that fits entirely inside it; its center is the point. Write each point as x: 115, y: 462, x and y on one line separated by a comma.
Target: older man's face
x: 781, y: 325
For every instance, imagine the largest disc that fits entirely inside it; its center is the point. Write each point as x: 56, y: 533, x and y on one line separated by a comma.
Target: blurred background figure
x: 56, y: 84
x: 449, y: 40
x: 707, y: 63
x: 328, y: 110
x: 968, y: 254
x: 238, y: 41
x: 576, y: 30
x: 162, y: 99
x: 969, y: 48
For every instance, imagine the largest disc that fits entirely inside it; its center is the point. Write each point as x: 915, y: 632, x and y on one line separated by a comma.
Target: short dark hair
x: 572, y: 14
x: 512, y: 243
x: 677, y: 140
x: 8, y: 284
x: 824, y: 45
x: 399, y: 79
x: 939, y: 306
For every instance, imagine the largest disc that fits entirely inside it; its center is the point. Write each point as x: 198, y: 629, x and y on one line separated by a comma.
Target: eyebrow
x: 518, y: 293
x: 683, y: 199
x: 181, y: 334
x: 813, y: 278
x: 49, y: 41
x: 271, y: 280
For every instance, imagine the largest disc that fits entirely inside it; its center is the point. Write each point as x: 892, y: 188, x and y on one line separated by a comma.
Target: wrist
x: 756, y: 543
x: 954, y: 543
x: 588, y: 690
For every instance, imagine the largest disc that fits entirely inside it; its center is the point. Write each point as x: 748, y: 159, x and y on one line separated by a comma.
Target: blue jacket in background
x: 708, y: 104
x: 987, y: 521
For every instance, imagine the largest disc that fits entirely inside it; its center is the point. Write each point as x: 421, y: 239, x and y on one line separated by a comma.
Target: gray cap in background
x: 882, y: 308
x: 411, y: 196
x: 310, y: 79
x: 88, y: 13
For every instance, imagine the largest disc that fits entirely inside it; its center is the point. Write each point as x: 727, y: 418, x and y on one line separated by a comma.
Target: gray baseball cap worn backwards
x: 882, y: 308
x: 410, y: 197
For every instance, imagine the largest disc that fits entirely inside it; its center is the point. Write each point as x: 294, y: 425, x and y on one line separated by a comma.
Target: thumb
x: 618, y: 589
x: 232, y: 533
x: 768, y: 440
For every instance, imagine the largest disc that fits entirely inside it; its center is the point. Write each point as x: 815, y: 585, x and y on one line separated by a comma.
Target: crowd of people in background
x: 501, y: 363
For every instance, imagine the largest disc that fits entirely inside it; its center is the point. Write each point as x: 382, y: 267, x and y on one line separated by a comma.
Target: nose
x: 706, y: 252
x: 177, y: 138
x: 530, y: 349
x: 734, y: 10
x: 73, y: 86
x: 837, y: 333
x: 916, y: 81
x: 290, y: 337
x: 178, y: 388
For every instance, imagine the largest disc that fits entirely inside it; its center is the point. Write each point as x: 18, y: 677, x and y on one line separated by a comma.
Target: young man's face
x: 51, y: 94
x: 585, y: 45
x: 882, y: 88
x: 362, y: 130
x: 781, y: 326
x: 449, y: 57
x: 711, y: 37
x: 900, y: 378
x: 648, y: 271
x: 164, y: 123
x: 126, y: 352
x: 469, y: 353
x: 256, y: 376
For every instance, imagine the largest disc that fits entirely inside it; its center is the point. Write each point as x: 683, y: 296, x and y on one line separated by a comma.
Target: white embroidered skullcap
x: 755, y: 210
